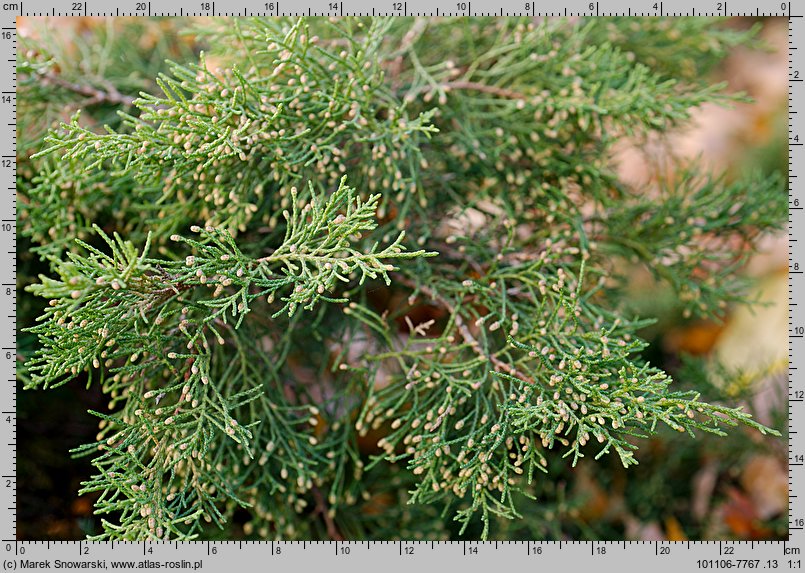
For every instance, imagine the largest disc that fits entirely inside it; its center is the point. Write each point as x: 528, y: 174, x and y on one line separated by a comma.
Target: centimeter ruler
x: 400, y: 555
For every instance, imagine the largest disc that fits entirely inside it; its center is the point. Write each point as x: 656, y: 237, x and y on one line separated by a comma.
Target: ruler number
x: 665, y: 550
x: 799, y: 458
x: 591, y: 6
x: 141, y: 7
x: 20, y: 549
x: 397, y: 6
x: 206, y: 6
x: 77, y: 6
x: 7, y: 163
x: 6, y: 35
x: 461, y: 6
x: 408, y: 550
x: 343, y: 550
x: 333, y: 5
x: 270, y: 6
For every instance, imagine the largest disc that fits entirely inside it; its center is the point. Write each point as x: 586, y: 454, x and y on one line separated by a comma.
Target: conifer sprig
x: 316, y: 254
x: 129, y: 290
x: 488, y: 412
x: 315, y: 115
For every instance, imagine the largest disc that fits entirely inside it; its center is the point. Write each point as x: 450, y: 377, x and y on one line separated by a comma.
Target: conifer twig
x: 96, y: 96
x: 470, y: 86
x: 464, y: 330
x: 321, y: 507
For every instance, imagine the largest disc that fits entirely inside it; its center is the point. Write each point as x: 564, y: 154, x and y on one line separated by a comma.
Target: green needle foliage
x: 360, y: 278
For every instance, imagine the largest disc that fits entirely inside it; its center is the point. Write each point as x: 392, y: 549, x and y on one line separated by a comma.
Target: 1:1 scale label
x: 398, y: 556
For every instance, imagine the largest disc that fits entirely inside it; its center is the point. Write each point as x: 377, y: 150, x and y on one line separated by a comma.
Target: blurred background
x: 706, y: 488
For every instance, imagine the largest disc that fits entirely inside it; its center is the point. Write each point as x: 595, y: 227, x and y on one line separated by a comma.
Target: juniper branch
x: 412, y: 385
x: 94, y: 95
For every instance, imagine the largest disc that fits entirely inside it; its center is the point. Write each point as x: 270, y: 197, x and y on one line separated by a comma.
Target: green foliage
x: 70, y: 70
x: 206, y: 144
x: 121, y: 289
x: 690, y: 213
x: 682, y: 47
x: 297, y: 359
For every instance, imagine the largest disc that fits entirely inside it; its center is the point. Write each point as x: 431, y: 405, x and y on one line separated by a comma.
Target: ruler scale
x: 339, y: 556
